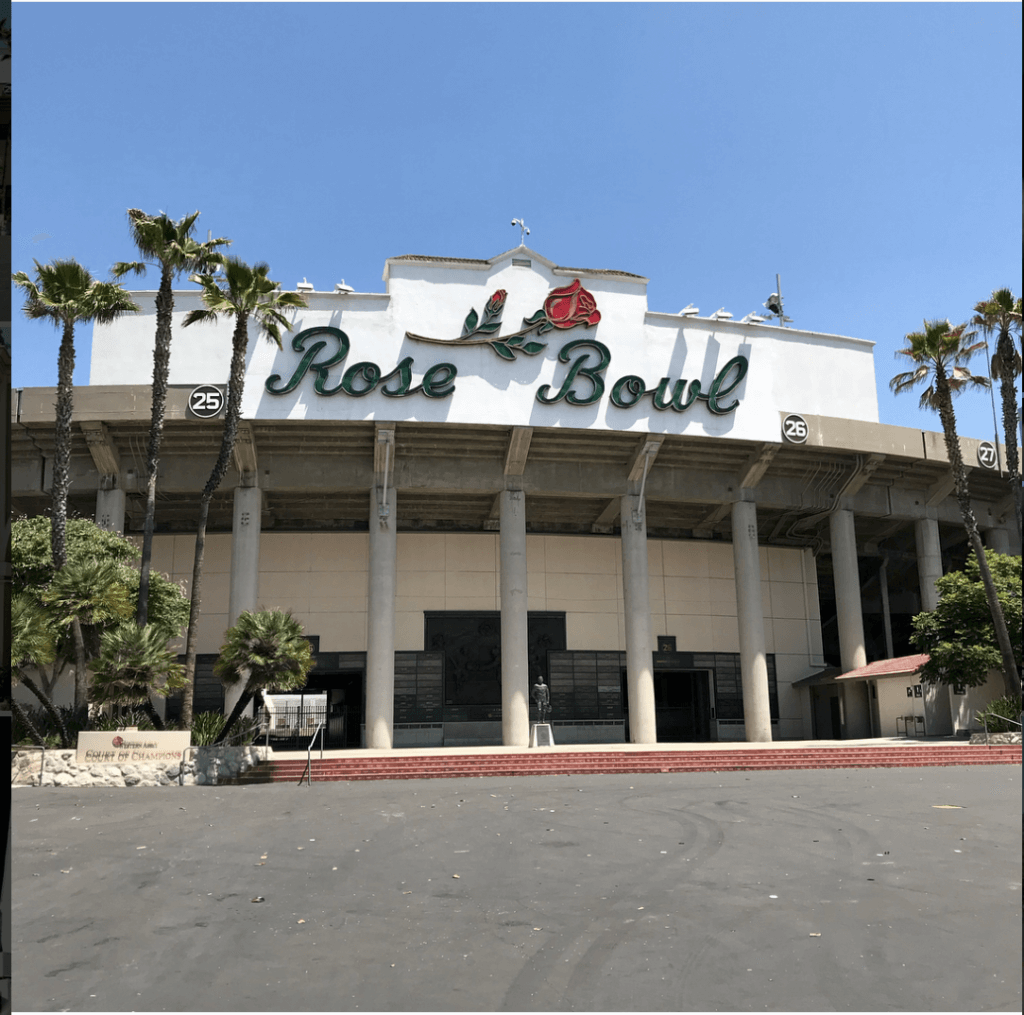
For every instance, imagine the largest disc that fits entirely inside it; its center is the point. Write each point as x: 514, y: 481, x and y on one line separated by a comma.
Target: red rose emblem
x: 495, y: 303
x: 117, y: 741
x: 571, y: 305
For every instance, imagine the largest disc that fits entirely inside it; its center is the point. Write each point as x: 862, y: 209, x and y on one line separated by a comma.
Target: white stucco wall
x: 789, y: 370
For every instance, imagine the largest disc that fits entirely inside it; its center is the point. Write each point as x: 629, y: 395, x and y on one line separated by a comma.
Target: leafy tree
x: 1000, y: 315
x: 959, y: 635
x: 95, y: 590
x: 940, y: 354
x: 170, y: 246
x: 134, y: 663
x: 266, y: 649
x: 66, y: 294
x: 247, y: 293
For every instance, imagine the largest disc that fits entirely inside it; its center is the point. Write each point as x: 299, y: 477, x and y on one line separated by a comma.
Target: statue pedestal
x: 541, y: 735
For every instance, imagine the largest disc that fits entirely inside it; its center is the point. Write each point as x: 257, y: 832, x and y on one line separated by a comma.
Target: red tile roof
x: 886, y: 668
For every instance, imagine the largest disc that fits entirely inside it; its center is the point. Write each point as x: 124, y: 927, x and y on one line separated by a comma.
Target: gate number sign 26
x: 794, y: 429
x: 206, y: 401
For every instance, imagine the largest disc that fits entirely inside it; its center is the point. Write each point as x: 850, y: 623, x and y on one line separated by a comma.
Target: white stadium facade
x: 691, y: 526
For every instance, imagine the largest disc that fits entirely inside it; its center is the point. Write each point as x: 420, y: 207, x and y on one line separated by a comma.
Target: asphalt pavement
x: 838, y: 890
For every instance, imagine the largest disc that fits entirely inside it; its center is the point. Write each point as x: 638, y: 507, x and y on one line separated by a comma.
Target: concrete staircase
x: 358, y: 766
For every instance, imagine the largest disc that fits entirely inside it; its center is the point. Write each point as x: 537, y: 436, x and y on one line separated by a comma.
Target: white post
x: 515, y: 657
x: 929, y: 560
x: 110, y: 509
x: 757, y: 716
x: 849, y: 612
x: 636, y: 600
x: 380, y: 645
x: 245, y: 567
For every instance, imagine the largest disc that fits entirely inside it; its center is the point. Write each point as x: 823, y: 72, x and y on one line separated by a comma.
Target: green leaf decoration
x: 503, y: 350
x: 489, y: 328
x: 514, y: 340
x: 547, y: 326
x: 532, y: 348
x: 470, y: 324
x: 537, y: 317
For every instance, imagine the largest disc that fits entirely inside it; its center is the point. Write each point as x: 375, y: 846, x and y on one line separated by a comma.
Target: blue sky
x: 870, y: 153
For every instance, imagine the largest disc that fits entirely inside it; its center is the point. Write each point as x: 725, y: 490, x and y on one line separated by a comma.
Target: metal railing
x: 307, y: 773
x: 986, y: 716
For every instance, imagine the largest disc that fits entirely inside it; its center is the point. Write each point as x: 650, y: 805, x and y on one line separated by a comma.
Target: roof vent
x: 304, y: 286
x: 340, y: 287
x: 521, y: 262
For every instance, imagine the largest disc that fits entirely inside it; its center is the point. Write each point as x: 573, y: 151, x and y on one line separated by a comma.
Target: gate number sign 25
x: 206, y: 401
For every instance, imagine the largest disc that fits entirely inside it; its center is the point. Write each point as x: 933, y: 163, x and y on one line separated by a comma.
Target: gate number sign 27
x: 206, y: 401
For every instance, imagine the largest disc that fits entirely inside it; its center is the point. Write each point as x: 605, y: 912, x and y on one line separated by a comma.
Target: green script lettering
x: 593, y: 374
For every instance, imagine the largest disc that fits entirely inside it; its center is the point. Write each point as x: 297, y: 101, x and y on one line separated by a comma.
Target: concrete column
x: 757, y: 717
x: 883, y: 586
x: 380, y: 643
x: 639, y: 644
x: 245, y: 566
x: 848, y: 605
x: 515, y: 657
x: 929, y: 560
x: 998, y: 540
x: 110, y: 509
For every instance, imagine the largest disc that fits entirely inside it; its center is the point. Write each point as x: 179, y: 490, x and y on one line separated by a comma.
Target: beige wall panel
x: 766, y: 599
x: 408, y: 632
x: 692, y: 634
x: 338, y: 633
x: 420, y: 551
x: 280, y: 585
x: 725, y: 634
x: 720, y: 562
x: 162, y: 559
x: 963, y: 707
x: 184, y: 554
x: 769, y: 635
x: 534, y: 554
x: 790, y: 636
x: 216, y: 589
x: 685, y: 559
x: 476, y: 584
x: 536, y: 587
x: 783, y: 564
x: 591, y: 586
x: 580, y: 555
x: 471, y: 552
x: 217, y: 554
x: 417, y: 604
x: 281, y: 551
x: 466, y: 603
x: 212, y: 627
x: 336, y: 604
x: 787, y: 600
x: 654, y: 554
x: 337, y: 584
x: 723, y: 596
x: 688, y: 596
x: 595, y: 631
x: 421, y: 583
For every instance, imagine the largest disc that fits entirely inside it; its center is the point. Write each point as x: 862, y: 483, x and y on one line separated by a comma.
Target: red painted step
x: 358, y: 768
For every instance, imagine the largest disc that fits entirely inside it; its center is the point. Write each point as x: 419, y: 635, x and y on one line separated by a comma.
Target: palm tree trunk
x: 62, y: 446
x: 81, y: 670
x: 240, y: 706
x: 51, y: 711
x: 1008, y: 393
x: 154, y: 715
x: 1011, y: 678
x: 161, y: 371
x: 23, y: 717
x: 236, y: 381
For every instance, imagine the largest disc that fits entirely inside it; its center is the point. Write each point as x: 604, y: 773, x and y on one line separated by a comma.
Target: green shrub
x: 206, y: 727
x: 1000, y: 709
x: 129, y: 717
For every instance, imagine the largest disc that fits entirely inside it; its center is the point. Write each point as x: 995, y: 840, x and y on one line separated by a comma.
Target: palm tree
x: 169, y: 245
x: 247, y: 293
x: 1000, y: 315
x: 33, y: 645
x: 65, y: 293
x: 941, y: 353
x: 266, y: 649
x: 134, y: 663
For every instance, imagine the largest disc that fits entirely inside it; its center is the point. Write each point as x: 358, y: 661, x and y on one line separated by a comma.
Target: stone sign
x: 127, y: 746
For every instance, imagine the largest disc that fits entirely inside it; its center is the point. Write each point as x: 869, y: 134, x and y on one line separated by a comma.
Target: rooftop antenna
x: 524, y: 231
x: 774, y: 303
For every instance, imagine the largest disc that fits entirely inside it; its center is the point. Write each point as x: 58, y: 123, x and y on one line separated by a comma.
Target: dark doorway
x: 344, y: 691
x: 682, y: 706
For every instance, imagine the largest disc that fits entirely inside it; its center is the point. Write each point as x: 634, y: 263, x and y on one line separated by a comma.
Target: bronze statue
x: 541, y: 698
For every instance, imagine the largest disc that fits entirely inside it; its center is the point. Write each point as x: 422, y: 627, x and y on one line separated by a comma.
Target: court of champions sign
x: 131, y: 747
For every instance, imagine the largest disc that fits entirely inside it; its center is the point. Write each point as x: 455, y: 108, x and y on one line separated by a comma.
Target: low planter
x: 996, y: 738
x: 203, y: 766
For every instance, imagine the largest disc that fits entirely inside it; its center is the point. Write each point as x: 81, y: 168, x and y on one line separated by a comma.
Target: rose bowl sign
x: 131, y: 747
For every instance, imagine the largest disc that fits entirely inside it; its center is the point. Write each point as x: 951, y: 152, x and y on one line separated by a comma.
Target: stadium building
x: 691, y: 526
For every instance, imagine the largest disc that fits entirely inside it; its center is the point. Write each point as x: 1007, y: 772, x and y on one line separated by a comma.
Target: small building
x: 501, y: 467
